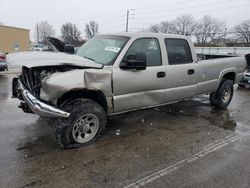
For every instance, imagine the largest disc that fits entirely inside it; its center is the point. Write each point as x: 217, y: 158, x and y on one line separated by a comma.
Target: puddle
x: 199, y: 107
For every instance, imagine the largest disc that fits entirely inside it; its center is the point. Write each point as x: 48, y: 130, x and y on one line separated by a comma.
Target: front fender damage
x: 57, y: 84
x: 98, y: 80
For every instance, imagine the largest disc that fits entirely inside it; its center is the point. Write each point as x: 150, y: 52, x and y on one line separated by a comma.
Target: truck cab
x: 171, y: 66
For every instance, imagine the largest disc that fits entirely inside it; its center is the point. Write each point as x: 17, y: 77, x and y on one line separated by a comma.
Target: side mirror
x: 138, y: 62
x: 70, y: 49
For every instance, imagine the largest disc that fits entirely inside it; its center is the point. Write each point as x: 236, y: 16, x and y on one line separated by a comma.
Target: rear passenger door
x: 182, y: 71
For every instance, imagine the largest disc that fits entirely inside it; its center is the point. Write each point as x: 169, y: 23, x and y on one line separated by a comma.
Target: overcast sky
x: 111, y: 14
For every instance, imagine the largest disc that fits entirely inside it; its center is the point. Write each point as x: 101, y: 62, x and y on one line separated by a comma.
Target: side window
x: 149, y: 46
x: 178, y: 51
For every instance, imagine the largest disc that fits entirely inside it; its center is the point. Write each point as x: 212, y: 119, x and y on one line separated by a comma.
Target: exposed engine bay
x: 49, y: 83
x: 32, y: 78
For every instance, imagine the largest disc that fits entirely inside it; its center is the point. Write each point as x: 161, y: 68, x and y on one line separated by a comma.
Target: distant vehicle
x: 3, y: 65
x: 114, y: 74
x: 245, y: 82
x: 2, y: 55
x: 38, y: 47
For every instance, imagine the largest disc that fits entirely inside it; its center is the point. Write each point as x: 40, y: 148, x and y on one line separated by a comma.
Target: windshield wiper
x: 92, y: 59
x: 89, y: 58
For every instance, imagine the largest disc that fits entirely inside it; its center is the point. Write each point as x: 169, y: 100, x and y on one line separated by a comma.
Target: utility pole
x: 248, y: 40
x: 128, y: 18
x: 37, y: 33
x: 225, y: 42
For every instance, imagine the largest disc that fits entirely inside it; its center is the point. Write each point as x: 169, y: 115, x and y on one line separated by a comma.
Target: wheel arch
x: 227, y: 74
x: 95, y: 95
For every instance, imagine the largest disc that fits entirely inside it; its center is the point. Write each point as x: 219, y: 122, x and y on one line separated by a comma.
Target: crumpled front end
x: 33, y: 104
x: 55, y: 85
x: 28, y: 87
x: 41, y: 88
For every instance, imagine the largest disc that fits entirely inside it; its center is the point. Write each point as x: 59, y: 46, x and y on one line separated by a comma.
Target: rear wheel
x: 85, y: 125
x: 223, y: 96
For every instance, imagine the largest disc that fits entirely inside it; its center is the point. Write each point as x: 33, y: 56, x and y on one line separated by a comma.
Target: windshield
x: 103, y: 49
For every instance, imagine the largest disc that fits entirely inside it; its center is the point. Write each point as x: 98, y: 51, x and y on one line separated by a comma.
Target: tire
x: 85, y: 125
x: 223, y: 96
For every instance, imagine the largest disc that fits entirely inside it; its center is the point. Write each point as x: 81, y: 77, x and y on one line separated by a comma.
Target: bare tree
x: 71, y: 34
x: 231, y: 41
x: 91, y: 29
x: 156, y: 28
x: 184, y: 25
x: 243, y: 32
x: 209, y: 30
x: 44, y: 30
x: 168, y: 27
x: 163, y: 27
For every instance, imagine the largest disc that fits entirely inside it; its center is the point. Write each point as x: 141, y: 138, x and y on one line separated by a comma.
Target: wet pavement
x: 188, y: 144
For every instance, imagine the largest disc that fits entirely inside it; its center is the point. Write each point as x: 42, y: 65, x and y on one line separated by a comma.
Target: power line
x: 179, y: 7
x: 234, y: 17
x: 102, y: 17
x: 143, y: 13
x: 163, y: 19
x: 194, y: 12
x: 118, y: 18
x: 163, y: 5
x: 200, y: 6
x: 120, y: 13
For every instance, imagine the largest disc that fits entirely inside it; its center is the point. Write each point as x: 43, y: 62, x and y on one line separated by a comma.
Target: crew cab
x: 117, y: 73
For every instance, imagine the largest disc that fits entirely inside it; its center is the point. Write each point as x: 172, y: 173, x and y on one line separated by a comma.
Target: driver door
x: 136, y: 89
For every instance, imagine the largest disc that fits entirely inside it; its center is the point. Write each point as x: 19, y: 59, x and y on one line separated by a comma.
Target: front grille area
x: 31, y: 81
x: 27, y: 80
x: 15, y: 87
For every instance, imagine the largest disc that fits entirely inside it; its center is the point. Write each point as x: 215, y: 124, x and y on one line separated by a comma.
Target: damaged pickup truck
x: 112, y: 74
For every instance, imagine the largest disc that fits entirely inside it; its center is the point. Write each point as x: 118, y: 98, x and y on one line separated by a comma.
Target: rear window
x: 178, y: 51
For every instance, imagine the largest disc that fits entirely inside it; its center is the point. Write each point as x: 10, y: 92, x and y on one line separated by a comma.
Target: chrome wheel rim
x: 85, y: 128
x: 226, y: 94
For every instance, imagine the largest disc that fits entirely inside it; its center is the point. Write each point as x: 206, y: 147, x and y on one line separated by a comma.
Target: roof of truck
x: 144, y: 34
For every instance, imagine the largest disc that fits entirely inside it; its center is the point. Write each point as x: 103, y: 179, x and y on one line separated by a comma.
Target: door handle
x: 191, y: 71
x: 161, y: 74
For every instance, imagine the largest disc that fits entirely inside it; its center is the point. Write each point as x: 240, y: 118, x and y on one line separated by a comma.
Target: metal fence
x: 222, y: 50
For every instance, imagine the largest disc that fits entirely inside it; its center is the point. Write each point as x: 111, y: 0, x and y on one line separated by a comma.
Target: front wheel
x: 85, y: 125
x: 223, y: 96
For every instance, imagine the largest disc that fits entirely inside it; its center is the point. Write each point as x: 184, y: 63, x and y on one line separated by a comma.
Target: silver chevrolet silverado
x: 113, y: 74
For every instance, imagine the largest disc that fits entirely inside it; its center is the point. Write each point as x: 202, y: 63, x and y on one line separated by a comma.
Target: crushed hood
x: 38, y: 59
